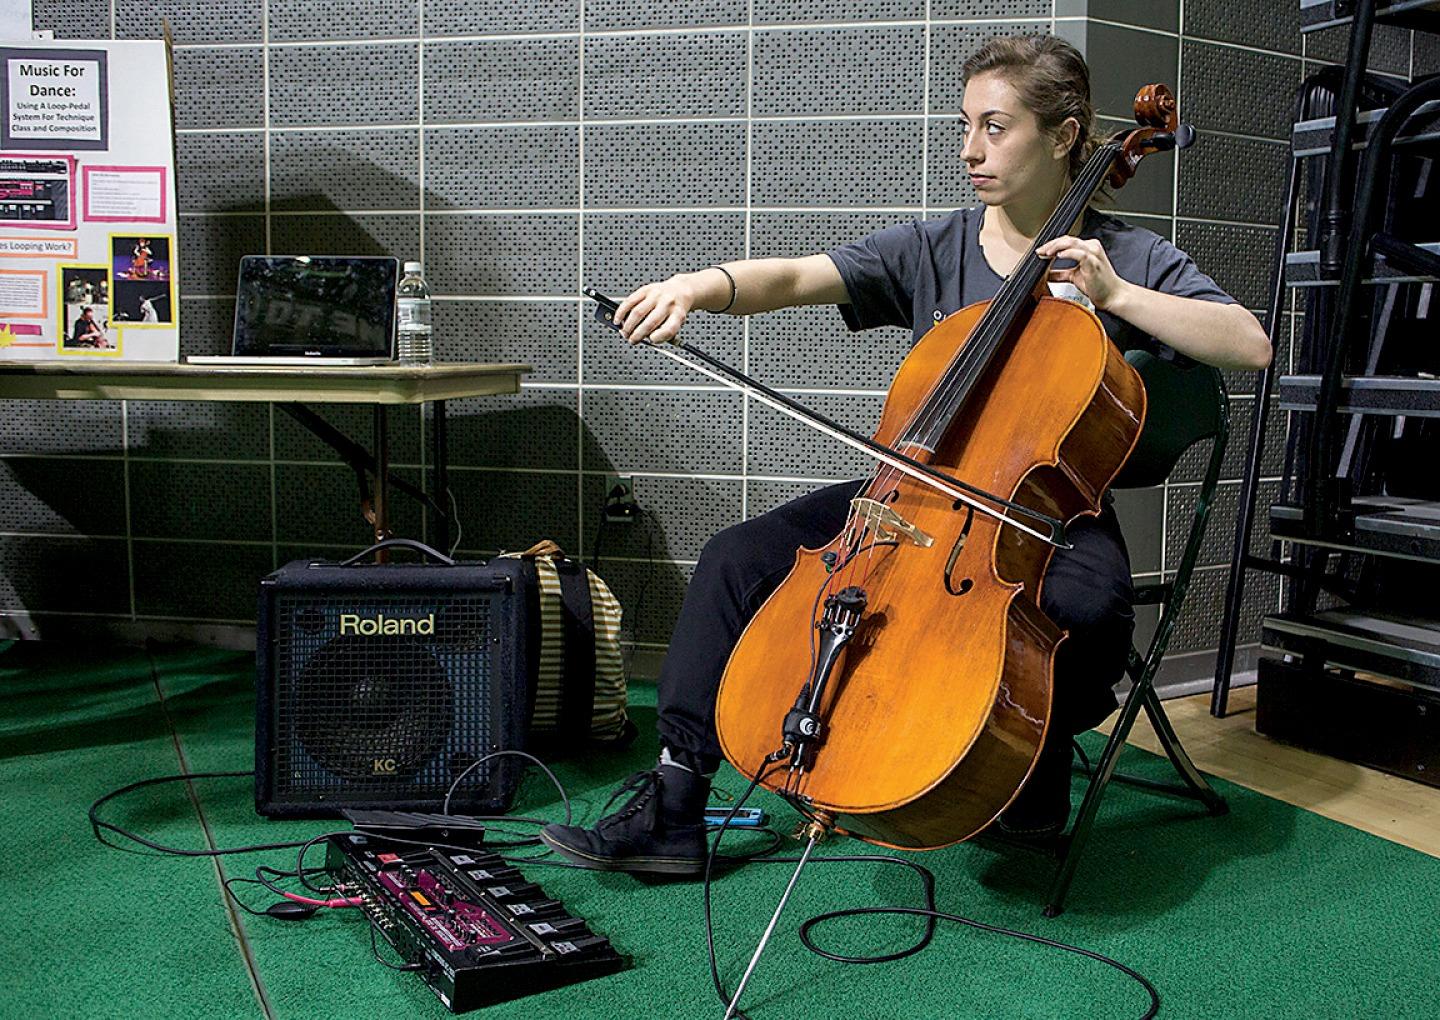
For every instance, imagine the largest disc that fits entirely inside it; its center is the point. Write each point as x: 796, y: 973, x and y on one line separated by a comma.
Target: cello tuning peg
x: 1184, y: 136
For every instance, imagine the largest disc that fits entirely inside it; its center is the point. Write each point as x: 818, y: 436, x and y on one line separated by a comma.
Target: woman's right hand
x: 655, y: 312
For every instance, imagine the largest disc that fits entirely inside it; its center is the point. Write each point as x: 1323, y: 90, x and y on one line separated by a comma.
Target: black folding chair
x: 1187, y: 405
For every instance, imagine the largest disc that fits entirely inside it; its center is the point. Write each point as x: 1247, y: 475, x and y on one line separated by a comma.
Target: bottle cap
x: 412, y: 267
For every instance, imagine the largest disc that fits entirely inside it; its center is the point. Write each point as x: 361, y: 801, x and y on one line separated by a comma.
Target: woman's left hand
x: 1092, y: 273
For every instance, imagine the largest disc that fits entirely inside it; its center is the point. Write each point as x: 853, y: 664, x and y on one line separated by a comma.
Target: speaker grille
x: 387, y: 699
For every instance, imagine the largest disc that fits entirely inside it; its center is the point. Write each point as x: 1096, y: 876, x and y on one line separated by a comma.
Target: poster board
x: 87, y: 202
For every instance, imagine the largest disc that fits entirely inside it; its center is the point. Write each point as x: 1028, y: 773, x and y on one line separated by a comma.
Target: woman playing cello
x: 1028, y: 126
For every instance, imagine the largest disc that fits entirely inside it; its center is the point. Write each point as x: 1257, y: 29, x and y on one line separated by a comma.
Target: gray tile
x: 789, y: 11
x: 292, y: 20
x: 671, y: 75
x: 1239, y: 259
x: 174, y: 499
x: 839, y: 71
x: 506, y: 79
x: 535, y: 429
x: 625, y: 250
x: 1214, y: 75
x: 1226, y: 178
x: 220, y: 88
x: 650, y: 593
x: 476, y: 17
x: 207, y: 326
x: 359, y: 234
x: 211, y: 248
x: 612, y: 15
x: 1389, y: 47
x: 677, y: 518
x: 73, y: 19
x: 811, y: 346
x: 207, y: 429
x: 42, y: 494
x: 780, y: 445
x: 667, y: 164
x: 502, y: 254
x: 294, y: 441
x: 220, y: 172
x: 222, y: 580
x: 609, y: 359
x: 64, y: 574
x: 62, y: 426
x: 1260, y: 23
x: 349, y: 170
x: 541, y: 334
x: 1199, y: 622
x: 799, y: 232
x: 228, y: 21
x: 701, y: 431
x: 361, y: 83
x: 537, y: 504
x: 1146, y: 13
x: 318, y: 504
x: 947, y: 176
x: 951, y: 46
x: 859, y: 162
x: 1142, y: 522
x: 503, y: 167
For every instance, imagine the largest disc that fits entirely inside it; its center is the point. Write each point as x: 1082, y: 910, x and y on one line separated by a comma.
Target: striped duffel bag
x: 577, y: 688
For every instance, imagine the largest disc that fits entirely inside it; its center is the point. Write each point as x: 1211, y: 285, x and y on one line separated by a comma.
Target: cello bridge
x: 886, y: 524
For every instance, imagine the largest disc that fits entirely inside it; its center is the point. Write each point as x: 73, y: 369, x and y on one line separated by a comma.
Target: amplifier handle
x: 407, y: 543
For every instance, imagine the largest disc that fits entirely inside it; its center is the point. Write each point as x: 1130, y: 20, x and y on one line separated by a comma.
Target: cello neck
x: 1015, y: 298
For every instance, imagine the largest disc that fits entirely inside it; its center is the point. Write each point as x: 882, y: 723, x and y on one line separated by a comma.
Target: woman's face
x: 1009, y: 157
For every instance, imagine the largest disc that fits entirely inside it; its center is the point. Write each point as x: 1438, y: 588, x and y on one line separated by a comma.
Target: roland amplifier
x: 379, y: 685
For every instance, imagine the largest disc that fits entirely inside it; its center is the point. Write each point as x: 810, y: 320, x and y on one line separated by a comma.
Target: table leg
x: 382, y: 480
x: 440, y: 508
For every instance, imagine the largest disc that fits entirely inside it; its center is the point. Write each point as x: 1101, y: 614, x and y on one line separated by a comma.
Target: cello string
x: 957, y: 381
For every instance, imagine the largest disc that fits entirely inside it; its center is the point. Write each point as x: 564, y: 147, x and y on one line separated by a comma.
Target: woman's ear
x: 1065, y: 137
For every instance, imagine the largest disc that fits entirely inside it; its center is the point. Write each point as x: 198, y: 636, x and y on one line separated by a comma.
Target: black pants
x: 1086, y: 591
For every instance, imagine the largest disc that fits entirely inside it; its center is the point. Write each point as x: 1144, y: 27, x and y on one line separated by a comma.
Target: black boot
x: 1042, y: 808
x: 660, y: 830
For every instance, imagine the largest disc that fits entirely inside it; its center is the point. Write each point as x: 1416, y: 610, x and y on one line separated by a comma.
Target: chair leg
x: 1080, y: 834
x: 1178, y: 756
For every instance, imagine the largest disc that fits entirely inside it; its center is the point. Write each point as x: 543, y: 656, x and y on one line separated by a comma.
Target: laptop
x: 313, y: 310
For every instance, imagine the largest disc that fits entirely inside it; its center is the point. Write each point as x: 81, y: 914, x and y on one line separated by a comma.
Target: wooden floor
x: 1393, y: 808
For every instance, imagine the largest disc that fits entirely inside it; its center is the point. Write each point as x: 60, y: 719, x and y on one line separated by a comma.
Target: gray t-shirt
x: 914, y: 274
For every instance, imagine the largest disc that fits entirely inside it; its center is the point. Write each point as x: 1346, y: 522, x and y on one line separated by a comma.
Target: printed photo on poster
x: 140, y: 257
x: 37, y: 191
x: 85, y: 326
x: 142, y: 293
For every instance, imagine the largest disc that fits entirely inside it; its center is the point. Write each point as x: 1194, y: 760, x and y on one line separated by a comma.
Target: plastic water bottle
x: 413, y: 331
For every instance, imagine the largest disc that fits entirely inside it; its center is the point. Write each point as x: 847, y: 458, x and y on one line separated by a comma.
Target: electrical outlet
x: 620, y: 504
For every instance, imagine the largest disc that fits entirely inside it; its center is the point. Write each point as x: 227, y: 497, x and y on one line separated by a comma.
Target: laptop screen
x: 316, y: 305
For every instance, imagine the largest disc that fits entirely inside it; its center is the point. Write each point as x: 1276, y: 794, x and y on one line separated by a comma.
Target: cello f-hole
x: 965, y: 583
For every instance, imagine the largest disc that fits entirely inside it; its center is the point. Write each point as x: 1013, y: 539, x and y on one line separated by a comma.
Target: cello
x: 896, y: 686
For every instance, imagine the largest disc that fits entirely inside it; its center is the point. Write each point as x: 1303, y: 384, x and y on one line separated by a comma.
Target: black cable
x: 96, y: 824
x: 375, y: 948
x: 929, y: 911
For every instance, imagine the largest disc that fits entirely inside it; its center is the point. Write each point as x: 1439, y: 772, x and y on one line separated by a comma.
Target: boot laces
x: 646, y: 785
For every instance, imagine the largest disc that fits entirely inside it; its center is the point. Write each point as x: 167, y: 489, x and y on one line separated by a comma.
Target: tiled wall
x: 522, y: 149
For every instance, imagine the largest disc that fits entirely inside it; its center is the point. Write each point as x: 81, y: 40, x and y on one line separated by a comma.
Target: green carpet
x: 1267, y: 912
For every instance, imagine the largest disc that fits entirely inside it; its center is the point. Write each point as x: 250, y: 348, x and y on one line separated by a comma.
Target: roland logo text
x: 354, y: 623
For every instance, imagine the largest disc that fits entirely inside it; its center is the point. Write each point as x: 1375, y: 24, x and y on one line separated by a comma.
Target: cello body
x: 937, y: 707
